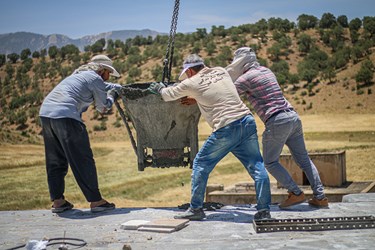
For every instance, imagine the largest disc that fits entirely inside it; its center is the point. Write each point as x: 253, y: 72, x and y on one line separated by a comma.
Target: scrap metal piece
x: 314, y: 224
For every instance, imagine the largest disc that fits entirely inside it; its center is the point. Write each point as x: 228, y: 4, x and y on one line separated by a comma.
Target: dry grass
x: 23, y: 182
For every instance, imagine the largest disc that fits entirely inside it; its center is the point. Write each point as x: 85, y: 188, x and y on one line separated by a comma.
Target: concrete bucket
x: 166, y: 132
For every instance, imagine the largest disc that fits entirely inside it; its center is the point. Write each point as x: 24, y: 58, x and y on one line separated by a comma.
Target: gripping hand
x: 113, y: 94
x: 156, y: 87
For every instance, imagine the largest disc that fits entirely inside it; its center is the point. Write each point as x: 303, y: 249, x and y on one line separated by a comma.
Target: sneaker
x: 293, y: 200
x: 318, y: 203
x: 192, y: 214
x: 104, y: 207
x: 262, y: 215
x: 65, y: 207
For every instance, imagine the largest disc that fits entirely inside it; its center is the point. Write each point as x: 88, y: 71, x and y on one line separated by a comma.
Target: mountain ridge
x: 17, y: 41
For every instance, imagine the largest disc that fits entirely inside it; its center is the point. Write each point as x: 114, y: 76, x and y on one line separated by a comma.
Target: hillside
x: 320, y: 79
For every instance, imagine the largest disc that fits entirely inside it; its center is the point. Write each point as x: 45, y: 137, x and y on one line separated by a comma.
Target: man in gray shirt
x: 65, y: 136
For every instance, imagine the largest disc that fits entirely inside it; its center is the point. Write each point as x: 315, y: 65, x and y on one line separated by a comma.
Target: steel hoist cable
x: 170, y: 48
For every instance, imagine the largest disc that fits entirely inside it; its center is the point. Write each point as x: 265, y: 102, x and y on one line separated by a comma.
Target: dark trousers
x: 66, y: 142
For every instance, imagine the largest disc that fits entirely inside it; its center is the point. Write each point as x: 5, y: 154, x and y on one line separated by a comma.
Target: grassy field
x: 23, y: 183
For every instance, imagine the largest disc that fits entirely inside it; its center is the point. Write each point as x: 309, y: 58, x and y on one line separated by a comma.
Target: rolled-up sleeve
x: 176, y: 91
x: 102, y: 103
x: 109, y: 86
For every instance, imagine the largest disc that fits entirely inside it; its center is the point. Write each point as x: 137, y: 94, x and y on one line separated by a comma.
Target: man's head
x: 105, y: 66
x: 192, y: 65
x: 244, y: 58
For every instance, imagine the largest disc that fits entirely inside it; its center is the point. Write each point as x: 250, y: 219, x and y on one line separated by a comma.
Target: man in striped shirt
x: 282, y: 126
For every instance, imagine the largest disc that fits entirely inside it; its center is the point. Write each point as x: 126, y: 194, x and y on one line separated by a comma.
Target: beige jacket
x: 215, y: 94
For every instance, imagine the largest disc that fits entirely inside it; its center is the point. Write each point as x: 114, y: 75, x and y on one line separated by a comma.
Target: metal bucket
x: 166, y: 132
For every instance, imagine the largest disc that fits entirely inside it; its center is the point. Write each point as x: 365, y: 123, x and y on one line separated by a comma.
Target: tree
x: 210, y: 47
x: 197, y: 47
x: 279, y: 24
x: 317, y: 59
x: 305, y: 43
x: 307, y: 22
x: 134, y: 72
x: 201, y: 33
x: 275, y: 51
x: 343, y: 21
x: 356, y: 53
x: 36, y: 54
x: 262, y: 24
x: 365, y: 73
x: 327, y: 21
x: 307, y: 70
x: 53, y: 51
x: 354, y: 36
x: 281, y: 70
x: 369, y: 25
x: 157, y: 73
x: 25, y: 54
x: 2, y: 60
x: 355, y: 24
x: 329, y: 74
x: 98, y: 46
x: 69, y: 50
x: 219, y: 31
x: 43, y: 53
x: 9, y: 70
x: 118, y: 44
x: 13, y: 57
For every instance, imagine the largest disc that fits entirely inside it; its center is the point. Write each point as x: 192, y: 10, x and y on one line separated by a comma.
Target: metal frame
x: 314, y: 224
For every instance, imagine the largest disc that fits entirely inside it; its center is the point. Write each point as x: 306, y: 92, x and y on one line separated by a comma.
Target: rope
x: 170, y: 48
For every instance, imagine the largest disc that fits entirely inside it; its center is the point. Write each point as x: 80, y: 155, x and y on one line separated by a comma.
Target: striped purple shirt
x: 262, y: 90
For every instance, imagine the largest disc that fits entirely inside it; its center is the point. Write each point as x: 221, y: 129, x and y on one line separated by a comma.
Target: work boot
x: 262, y: 215
x: 318, y: 203
x: 192, y: 214
x: 293, y: 200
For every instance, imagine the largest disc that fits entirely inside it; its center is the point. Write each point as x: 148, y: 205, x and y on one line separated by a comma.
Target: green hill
x: 324, y: 66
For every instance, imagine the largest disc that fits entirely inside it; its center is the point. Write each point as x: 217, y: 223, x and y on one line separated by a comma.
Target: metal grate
x: 314, y: 224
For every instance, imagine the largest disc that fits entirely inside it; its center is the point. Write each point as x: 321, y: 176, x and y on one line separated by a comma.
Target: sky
x: 78, y: 18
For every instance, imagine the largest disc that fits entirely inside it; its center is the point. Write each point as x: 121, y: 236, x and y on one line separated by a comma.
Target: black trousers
x: 67, y: 143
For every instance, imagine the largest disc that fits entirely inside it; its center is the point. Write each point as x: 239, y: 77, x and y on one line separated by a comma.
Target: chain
x: 170, y: 48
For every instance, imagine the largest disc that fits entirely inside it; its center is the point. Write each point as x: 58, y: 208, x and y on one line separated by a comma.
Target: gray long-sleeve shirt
x: 72, y: 96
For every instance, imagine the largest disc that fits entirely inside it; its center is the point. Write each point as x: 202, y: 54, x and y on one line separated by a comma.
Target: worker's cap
x: 105, y: 62
x: 190, y: 61
x: 245, y: 52
x: 243, y: 59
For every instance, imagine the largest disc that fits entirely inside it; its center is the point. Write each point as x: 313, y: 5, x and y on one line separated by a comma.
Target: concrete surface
x: 227, y: 228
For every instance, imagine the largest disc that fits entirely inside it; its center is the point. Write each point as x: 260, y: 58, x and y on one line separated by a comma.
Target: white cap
x: 186, y: 66
x: 105, y: 62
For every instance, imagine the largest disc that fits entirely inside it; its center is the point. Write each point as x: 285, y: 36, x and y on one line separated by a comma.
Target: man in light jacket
x: 234, y: 130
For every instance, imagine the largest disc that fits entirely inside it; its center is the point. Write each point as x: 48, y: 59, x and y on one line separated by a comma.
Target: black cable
x: 60, y: 241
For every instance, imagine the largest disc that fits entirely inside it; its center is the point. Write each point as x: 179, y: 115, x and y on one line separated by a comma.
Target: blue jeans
x: 66, y: 142
x: 286, y: 128
x: 239, y: 137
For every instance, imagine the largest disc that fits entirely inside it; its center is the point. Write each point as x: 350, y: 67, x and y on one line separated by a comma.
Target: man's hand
x: 187, y: 101
x: 113, y: 94
x: 156, y: 87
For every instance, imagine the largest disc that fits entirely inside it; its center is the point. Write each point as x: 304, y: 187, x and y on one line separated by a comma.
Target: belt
x: 280, y: 111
